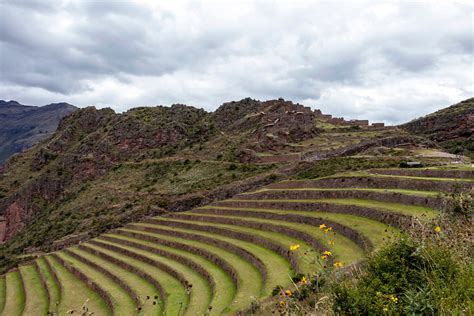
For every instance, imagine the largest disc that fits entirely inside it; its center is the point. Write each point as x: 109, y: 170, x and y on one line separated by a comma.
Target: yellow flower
x: 322, y: 226
x: 289, y: 293
x: 282, y: 303
x: 393, y: 298
x: 385, y: 309
x: 304, y: 280
x: 327, y: 253
x: 294, y: 247
x: 327, y: 230
x: 331, y: 242
x: 437, y: 229
x: 324, y: 257
x: 338, y: 264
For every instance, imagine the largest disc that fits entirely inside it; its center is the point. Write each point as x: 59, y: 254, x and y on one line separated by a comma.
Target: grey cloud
x: 353, y: 59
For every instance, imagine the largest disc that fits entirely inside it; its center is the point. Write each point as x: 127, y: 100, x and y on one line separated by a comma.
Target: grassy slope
x: 140, y: 286
x: 75, y: 293
x: 53, y: 287
x: 225, y: 289
x: 15, y: 296
x: 122, y: 301
x: 401, y: 191
x: 344, y: 249
x: 36, y: 295
x: 175, y: 291
x: 377, y: 232
x: 249, y: 276
x: 2, y: 293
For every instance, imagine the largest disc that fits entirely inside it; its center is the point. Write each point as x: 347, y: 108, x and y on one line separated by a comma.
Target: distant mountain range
x: 22, y: 126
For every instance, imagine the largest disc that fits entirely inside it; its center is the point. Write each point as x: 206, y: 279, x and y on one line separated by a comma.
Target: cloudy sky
x: 389, y: 61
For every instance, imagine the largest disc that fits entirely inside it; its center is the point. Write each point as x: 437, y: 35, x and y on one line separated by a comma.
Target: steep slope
x: 451, y: 127
x: 22, y: 126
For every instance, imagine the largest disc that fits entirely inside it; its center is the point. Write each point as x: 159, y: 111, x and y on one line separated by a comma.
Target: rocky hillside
x: 22, y: 126
x: 101, y: 169
x: 452, y: 127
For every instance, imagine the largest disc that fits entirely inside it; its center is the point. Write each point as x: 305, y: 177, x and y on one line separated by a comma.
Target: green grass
x: 53, y: 287
x: 36, y: 295
x: 376, y: 231
x: 344, y: 249
x: 122, y: 302
x: 401, y: 191
x: 367, y: 174
x: 76, y: 293
x: 176, y: 297
x: 15, y: 296
x: 224, y: 287
x: 249, y: 276
x: 2, y: 292
x: 140, y: 286
x: 411, y: 210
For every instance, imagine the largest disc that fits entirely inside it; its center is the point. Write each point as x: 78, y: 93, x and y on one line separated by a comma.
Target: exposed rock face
x: 452, y: 127
x: 21, y: 126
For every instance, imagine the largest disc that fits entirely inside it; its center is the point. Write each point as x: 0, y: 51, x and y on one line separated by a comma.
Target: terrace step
x: 137, y: 287
x: 15, y: 294
x: 246, y: 276
x: 172, y: 282
x: 390, y: 197
x: 396, y: 216
x: 51, y: 282
x: 431, y: 173
x: 75, y: 293
x: 224, y: 287
x: 375, y: 231
x: 37, y: 301
x: 121, y: 299
x: 375, y: 181
x: 3, y: 293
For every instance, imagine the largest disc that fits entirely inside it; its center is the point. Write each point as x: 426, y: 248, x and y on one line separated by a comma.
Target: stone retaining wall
x: 436, y: 173
x: 183, y: 260
x: 56, y: 279
x: 374, y: 182
x: 91, y: 284
x: 43, y: 284
x: 362, y: 241
x: 390, y: 218
x: 127, y: 267
x: 234, y: 234
x: 391, y: 197
x: 224, y: 265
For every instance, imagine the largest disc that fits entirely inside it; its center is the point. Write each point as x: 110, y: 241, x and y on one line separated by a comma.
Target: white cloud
x: 382, y: 61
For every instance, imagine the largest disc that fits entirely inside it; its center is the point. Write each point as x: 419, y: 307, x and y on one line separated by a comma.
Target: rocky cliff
x: 22, y: 126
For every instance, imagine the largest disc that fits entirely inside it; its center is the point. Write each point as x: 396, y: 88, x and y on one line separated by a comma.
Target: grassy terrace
x: 283, y: 240
x: 75, y: 293
x: 343, y: 249
x: 2, y: 292
x: 36, y: 294
x: 15, y: 298
x: 176, y: 298
x: 138, y: 285
x: 121, y: 300
x: 377, y: 232
x: 224, y: 287
x: 417, y: 211
x: 249, y: 277
x: 367, y: 174
x: 51, y: 284
x: 401, y: 191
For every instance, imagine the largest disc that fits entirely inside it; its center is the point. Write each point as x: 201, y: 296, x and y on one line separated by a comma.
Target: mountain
x: 451, y: 127
x: 102, y: 169
x: 22, y: 126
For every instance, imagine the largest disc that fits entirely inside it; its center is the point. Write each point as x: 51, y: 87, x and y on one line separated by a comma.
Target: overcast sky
x: 390, y: 61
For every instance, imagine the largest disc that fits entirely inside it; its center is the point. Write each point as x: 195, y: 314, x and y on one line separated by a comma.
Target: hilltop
x: 451, y: 127
x: 101, y: 169
x: 22, y: 126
